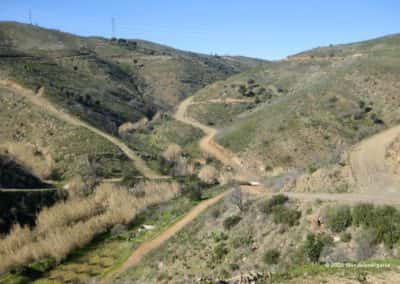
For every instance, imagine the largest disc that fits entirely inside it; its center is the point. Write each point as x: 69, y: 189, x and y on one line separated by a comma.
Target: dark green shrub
x: 215, y: 213
x: 362, y: 214
x: 313, y: 247
x: 220, y: 251
x: 345, y: 237
x: 284, y: 215
x: 383, y: 222
x: 276, y: 200
x: 339, y: 218
x: 271, y: 256
x: 386, y: 225
x: 231, y: 221
x: 195, y: 194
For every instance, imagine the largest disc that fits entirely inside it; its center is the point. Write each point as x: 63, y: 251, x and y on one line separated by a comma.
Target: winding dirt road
x: 39, y: 100
x: 207, y: 143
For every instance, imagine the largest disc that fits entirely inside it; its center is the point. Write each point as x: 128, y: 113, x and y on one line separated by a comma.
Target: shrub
x: 339, y: 218
x: 386, y: 225
x: 195, y: 194
x: 382, y: 221
x: 231, y: 221
x: 362, y: 214
x: 345, y: 237
x: 220, y: 251
x: 276, y: 200
x: 313, y: 247
x: 271, y: 256
x: 215, y: 213
x: 244, y: 239
x: 284, y: 215
x: 219, y: 236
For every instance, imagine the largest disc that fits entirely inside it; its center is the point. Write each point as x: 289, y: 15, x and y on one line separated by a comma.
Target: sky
x: 257, y: 28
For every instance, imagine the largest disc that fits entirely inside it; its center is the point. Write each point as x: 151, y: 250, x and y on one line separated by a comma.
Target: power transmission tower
x: 113, y: 27
x: 30, y: 16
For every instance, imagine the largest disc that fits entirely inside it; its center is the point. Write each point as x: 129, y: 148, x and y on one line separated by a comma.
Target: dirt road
x: 368, y: 165
x: 150, y: 245
x: 39, y: 100
x: 207, y: 143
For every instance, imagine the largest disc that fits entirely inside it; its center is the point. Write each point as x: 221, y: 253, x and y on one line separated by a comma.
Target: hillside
x: 107, y: 82
x: 304, y: 112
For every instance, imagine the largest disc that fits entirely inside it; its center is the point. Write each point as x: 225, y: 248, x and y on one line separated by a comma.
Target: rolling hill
x: 107, y: 82
x: 304, y: 112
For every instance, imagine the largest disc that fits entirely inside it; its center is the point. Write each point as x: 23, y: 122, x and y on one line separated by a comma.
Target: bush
x: 362, y: 214
x: 276, y: 200
x: 215, y: 213
x: 220, y: 251
x: 313, y: 247
x: 383, y: 222
x: 386, y: 225
x: 339, y: 218
x: 271, y: 256
x: 284, y: 215
x: 244, y: 239
x: 345, y: 237
x: 231, y: 221
x: 219, y: 236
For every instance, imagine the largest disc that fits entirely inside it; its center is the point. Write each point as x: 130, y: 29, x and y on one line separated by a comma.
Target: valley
x: 126, y: 161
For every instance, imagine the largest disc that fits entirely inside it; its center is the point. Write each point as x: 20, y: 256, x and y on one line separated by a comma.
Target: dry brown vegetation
x: 172, y: 153
x: 73, y: 223
x: 208, y: 174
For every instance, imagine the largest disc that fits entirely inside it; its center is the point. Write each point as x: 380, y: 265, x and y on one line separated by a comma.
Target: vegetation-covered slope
x: 50, y: 148
x: 107, y: 82
x: 306, y: 110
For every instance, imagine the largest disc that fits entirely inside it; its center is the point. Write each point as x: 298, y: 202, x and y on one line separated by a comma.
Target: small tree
x: 313, y: 247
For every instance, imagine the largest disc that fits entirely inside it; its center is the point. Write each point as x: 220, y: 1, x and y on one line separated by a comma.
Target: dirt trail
x: 224, y: 101
x: 150, y: 245
x: 207, y: 143
x: 368, y: 164
x: 349, y: 198
x: 39, y: 100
